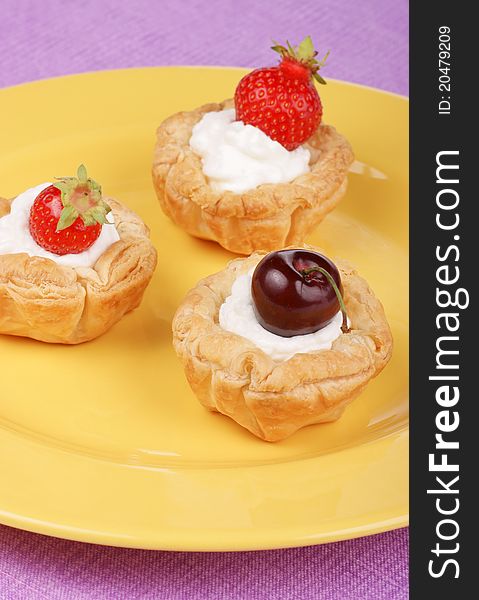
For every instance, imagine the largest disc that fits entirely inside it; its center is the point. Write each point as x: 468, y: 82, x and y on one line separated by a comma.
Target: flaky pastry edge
x: 271, y: 398
x: 268, y: 217
x: 53, y: 303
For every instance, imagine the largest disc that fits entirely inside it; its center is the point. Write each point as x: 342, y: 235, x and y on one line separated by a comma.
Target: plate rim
x: 199, y: 67
x: 252, y: 539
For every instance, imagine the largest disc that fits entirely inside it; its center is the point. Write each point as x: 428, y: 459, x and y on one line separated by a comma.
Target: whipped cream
x: 15, y: 234
x: 238, y: 157
x: 237, y: 315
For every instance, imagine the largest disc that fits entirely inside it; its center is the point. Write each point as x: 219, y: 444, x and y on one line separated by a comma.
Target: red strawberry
x: 282, y: 101
x: 66, y: 217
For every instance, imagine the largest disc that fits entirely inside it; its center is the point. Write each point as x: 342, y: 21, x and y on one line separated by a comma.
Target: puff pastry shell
x: 268, y: 217
x: 273, y: 399
x: 46, y: 301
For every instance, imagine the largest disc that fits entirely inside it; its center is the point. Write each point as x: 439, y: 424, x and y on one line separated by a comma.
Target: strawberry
x: 282, y: 101
x: 67, y: 217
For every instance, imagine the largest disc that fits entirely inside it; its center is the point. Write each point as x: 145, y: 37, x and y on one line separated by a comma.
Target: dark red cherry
x: 292, y: 295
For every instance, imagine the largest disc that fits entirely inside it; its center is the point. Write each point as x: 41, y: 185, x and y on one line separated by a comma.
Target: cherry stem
x: 344, y: 327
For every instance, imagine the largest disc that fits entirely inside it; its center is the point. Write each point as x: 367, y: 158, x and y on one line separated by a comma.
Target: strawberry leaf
x: 60, y: 185
x: 291, y: 50
x: 305, y: 54
x: 319, y: 79
x: 98, y: 214
x: 82, y: 174
x: 81, y: 197
x: 323, y: 62
x: 279, y: 49
x: 306, y: 49
x: 68, y: 216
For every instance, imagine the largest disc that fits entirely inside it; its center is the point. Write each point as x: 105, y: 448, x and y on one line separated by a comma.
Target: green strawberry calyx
x: 305, y: 54
x: 81, y: 197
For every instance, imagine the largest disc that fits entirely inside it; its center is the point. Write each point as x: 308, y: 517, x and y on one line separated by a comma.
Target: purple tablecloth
x: 45, y: 38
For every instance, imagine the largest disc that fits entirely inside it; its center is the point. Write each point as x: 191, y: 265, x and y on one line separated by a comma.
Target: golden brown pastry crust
x: 269, y: 217
x: 46, y: 301
x: 273, y: 399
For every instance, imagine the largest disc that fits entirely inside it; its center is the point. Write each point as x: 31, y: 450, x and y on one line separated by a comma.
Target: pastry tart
x: 295, y: 166
x: 264, y: 218
x: 53, y: 302
x: 274, y: 397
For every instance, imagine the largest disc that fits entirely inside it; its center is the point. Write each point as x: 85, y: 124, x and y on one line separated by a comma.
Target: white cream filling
x: 15, y: 234
x: 238, y: 157
x: 237, y: 315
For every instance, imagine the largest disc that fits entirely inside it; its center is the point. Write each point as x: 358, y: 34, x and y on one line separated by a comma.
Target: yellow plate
x: 127, y: 456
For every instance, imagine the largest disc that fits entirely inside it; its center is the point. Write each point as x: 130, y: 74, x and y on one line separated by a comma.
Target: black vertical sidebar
x: 444, y: 350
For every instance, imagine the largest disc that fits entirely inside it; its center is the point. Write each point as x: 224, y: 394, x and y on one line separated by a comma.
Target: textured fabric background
x: 45, y: 38
x: 36, y: 567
